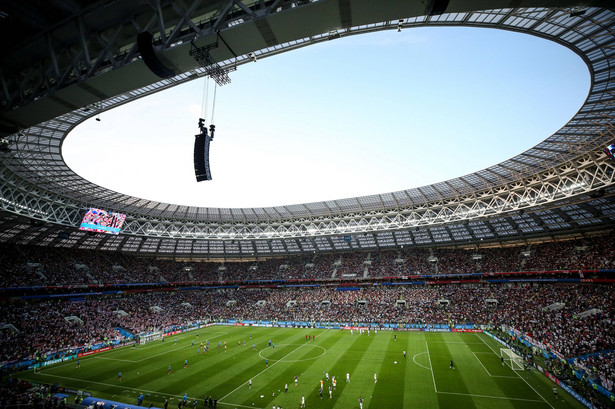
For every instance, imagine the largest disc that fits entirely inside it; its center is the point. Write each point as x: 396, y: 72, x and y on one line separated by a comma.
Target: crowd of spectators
x: 26, y: 266
x: 503, y: 259
x: 350, y: 265
x: 573, y: 320
x: 14, y: 395
x: 601, y: 365
x: 563, y: 371
x: 46, y: 327
x: 22, y: 394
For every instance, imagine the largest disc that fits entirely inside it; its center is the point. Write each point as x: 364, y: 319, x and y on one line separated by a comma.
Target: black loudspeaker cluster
x: 146, y: 48
x: 201, y: 151
x: 436, y: 7
x: 201, y: 157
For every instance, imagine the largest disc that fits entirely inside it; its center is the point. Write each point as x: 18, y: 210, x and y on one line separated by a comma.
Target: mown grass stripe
x: 366, y: 363
x: 399, y: 386
x: 268, y: 367
x: 505, y: 385
x: 391, y: 375
x: 445, y: 378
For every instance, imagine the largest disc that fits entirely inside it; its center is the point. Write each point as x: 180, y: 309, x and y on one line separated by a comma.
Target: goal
x: 511, y: 359
x: 143, y: 339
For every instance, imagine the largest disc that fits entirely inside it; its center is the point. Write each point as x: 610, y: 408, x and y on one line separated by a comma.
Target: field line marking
x: 157, y: 342
x: 493, y: 376
x: 298, y: 360
x: 153, y: 343
x: 123, y: 387
x: 236, y: 404
x: 175, y: 349
x: 483, y: 365
x: 113, y: 359
x: 97, y: 356
x: 422, y: 366
x: 266, y: 369
x: 162, y: 353
x: 528, y: 384
x: 489, y: 396
x: 431, y: 367
x: 128, y: 389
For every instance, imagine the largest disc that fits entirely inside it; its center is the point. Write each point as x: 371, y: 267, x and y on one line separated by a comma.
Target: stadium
x: 489, y: 290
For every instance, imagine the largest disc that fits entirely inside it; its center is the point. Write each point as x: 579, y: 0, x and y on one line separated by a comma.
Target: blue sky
x: 355, y: 116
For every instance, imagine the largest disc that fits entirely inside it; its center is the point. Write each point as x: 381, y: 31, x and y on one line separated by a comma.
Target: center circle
x: 271, y: 353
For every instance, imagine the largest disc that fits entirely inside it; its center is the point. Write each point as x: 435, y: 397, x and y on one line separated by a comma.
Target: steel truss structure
x: 94, y: 37
x: 562, y: 184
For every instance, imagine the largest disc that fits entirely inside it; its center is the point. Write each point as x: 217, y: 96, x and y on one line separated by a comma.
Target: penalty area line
x: 483, y: 365
x: 522, y: 378
x: 489, y: 373
x: 175, y: 349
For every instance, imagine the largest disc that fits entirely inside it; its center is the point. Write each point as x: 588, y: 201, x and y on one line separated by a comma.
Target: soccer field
x: 421, y: 380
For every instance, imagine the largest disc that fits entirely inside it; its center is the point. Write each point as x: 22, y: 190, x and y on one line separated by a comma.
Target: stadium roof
x: 74, y: 59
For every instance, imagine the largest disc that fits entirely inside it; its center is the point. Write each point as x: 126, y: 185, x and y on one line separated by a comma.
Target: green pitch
x: 421, y: 380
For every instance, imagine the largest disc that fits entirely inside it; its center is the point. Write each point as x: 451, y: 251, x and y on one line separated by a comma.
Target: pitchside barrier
x: 562, y: 385
x: 549, y: 353
x: 94, y: 349
x: 355, y: 326
x: 63, y: 356
x: 325, y: 325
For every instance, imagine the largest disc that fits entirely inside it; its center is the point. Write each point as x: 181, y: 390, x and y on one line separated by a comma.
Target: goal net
x: 143, y: 339
x: 511, y: 359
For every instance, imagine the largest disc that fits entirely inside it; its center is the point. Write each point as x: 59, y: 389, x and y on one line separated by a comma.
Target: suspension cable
x: 213, y: 105
x: 205, y: 101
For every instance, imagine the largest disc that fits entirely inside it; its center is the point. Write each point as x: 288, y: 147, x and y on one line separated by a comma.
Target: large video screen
x: 101, y: 221
x: 610, y: 151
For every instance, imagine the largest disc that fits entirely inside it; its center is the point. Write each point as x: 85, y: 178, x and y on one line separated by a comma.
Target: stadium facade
x: 88, y: 62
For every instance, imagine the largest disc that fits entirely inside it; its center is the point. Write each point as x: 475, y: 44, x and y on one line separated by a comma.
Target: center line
x: 269, y: 367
